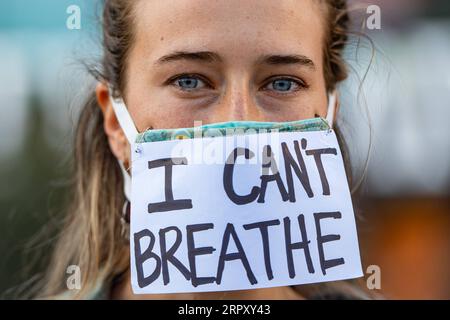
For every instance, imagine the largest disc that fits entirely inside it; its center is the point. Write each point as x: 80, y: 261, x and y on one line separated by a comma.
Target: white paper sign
x: 280, y: 215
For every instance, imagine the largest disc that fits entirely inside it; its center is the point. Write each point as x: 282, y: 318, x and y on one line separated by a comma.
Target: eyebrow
x: 209, y: 57
x: 291, y: 59
x: 204, y: 56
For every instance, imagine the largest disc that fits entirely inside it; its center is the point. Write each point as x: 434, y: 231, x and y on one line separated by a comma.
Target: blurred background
x: 401, y: 111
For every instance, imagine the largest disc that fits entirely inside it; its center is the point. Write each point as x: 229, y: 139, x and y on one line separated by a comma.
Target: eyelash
x: 301, y: 84
x: 173, y: 79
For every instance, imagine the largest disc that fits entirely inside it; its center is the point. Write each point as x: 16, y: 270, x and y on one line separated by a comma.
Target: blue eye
x: 284, y: 85
x: 189, y: 83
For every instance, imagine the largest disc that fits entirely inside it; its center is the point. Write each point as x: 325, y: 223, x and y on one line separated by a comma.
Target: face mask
x: 285, y: 219
x: 133, y: 136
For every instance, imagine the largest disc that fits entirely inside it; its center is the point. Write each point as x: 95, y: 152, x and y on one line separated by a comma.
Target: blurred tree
x: 29, y: 202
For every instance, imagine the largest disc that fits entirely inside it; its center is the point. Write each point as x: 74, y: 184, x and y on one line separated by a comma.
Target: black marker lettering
x: 170, y: 204
x: 269, y: 164
x: 326, y: 264
x: 263, y: 226
x: 228, y: 178
x: 193, y: 251
x: 168, y: 255
x: 318, y: 159
x: 299, y: 169
x: 141, y: 257
x: 240, y: 254
x: 304, y: 244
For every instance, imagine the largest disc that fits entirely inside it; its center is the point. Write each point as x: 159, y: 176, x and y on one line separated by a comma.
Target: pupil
x: 188, y: 83
x: 282, y: 85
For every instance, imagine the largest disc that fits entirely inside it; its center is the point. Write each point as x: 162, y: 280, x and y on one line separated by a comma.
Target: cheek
x: 152, y: 105
x: 303, y: 107
x: 158, y: 109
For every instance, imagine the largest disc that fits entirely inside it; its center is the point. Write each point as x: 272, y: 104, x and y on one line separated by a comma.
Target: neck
x: 123, y: 291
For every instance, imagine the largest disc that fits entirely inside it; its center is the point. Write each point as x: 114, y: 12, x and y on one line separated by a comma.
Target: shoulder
x: 336, y: 290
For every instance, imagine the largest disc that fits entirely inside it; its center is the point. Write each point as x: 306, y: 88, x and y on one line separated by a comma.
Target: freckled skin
x: 234, y: 89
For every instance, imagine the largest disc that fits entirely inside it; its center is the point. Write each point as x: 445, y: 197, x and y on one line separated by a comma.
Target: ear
x: 116, y: 137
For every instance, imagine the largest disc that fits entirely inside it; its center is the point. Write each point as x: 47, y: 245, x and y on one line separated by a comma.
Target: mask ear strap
x: 125, y: 120
x: 128, y: 127
x: 126, y: 181
x: 331, y: 108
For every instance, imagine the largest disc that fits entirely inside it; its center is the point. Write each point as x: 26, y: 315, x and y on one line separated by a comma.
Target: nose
x: 237, y: 103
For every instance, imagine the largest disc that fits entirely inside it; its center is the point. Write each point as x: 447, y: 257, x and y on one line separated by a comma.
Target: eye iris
x: 188, y: 83
x: 282, y: 85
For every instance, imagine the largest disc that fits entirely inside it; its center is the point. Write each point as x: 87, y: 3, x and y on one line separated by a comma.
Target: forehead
x: 235, y: 29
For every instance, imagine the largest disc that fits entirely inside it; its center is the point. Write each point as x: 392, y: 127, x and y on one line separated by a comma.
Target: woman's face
x: 225, y: 60
x: 214, y: 61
